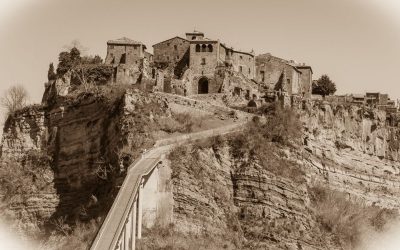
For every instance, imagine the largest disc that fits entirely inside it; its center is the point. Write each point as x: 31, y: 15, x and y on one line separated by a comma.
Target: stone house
x: 127, y: 58
x: 279, y: 75
x: 376, y: 99
x: 305, y: 81
x: 208, y: 60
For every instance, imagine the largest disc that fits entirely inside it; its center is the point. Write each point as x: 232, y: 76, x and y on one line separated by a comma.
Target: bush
x: 345, y: 219
x: 33, y: 174
x: 171, y: 238
x: 66, y: 237
x: 180, y: 122
x: 261, y: 143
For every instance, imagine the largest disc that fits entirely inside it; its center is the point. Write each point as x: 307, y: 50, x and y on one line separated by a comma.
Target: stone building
x: 127, y: 57
x: 170, y: 51
x: 305, y: 81
x: 206, y: 61
x: 277, y: 74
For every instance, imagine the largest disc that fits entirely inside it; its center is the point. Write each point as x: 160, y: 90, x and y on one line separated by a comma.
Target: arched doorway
x: 203, y: 86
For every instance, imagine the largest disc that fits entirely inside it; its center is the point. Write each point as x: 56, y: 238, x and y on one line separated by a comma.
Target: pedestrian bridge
x: 123, y: 224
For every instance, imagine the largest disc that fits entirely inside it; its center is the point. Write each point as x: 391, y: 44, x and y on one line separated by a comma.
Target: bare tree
x: 14, y: 98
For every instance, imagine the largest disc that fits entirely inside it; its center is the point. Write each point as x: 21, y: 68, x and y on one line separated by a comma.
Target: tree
x: 324, y: 86
x: 68, y: 60
x: 51, y: 75
x: 14, y: 98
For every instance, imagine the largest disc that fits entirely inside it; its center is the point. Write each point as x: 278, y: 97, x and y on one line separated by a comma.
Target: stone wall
x: 305, y: 81
x: 277, y: 74
x: 132, y: 53
x: 170, y: 51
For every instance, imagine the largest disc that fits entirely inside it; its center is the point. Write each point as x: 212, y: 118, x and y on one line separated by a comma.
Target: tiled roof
x: 123, y: 40
x: 176, y: 37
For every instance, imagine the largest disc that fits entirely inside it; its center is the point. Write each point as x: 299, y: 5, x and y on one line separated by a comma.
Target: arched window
x: 203, y: 48
x: 193, y: 37
x: 197, y: 47
x: 210, y: 48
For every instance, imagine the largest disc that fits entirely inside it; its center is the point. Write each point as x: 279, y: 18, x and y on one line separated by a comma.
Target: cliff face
x: 353, y: 150
x: 91, y: 139
x: 241, y: 199
x: 244, y: 205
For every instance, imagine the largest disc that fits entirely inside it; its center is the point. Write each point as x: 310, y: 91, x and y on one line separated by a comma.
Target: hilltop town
x: 197, y: 65
x: 197, y: 146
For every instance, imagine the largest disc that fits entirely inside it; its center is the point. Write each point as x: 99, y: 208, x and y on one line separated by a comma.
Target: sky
x: 355, y: 42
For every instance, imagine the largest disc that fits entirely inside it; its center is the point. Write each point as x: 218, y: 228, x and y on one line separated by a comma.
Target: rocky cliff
x: 353, y: 149
x: 90, y: 138
x: 257, y: 194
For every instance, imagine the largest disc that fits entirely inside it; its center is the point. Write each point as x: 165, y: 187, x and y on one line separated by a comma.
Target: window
x: 123, y: 59
x: 203, y: 48
x: 193, y: 37
x: 177, y: 57
x: 167, y: 58
x: 240, y: 68
x: 241, y: 57
x: 203, y: 61
x: 288, y: 81
x: 167, y: 44
x: 262, y: 73
x: 210, y: 48
x: 175, y: 47
x: 197, y: 47
x: 249, y: 71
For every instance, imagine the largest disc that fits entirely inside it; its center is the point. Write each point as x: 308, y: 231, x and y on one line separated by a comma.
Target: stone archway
x: 203, y: 86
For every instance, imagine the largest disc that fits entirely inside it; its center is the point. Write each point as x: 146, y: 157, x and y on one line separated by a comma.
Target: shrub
x: 261, y: 143
x: 171, y: 238
x: 181, y: 122
x: 346, y: 219
x: 33, y: 174
x: 66, y: 237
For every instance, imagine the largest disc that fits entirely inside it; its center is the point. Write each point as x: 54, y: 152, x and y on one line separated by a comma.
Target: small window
x: 193, y: 37
x: 249, y: 71
x: 241, y: 57
x: 175, y: 47
x: 240, y: 68
x: 197, y: 47
x: 167, y: 58
x: 177, y: 57
x: 288, y: 81
x: 210, y: 48
x: 167, y: 44
x: 203, y: 48
x: 123, y: 59
x: 203, y: 61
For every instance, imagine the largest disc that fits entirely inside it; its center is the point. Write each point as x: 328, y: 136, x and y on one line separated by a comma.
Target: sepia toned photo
x: 199, y: 125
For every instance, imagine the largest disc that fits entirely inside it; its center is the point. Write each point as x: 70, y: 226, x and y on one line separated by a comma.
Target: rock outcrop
x: 352, y: 149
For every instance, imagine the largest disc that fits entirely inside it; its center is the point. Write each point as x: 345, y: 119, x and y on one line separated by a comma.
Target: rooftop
x: 124, y: 41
